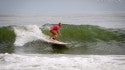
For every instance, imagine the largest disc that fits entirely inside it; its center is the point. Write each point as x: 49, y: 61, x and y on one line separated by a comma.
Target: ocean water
x: 96, y: 41
x: 108, y: 20
x: 61, y: 62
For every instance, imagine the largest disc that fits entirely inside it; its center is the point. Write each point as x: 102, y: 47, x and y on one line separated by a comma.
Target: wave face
x: 87, y: 33
x: 7, y: 34
x: 83, y: 39
x: 7, y: 38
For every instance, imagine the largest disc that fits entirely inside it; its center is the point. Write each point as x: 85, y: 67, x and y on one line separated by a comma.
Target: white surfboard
x: 57, y: 42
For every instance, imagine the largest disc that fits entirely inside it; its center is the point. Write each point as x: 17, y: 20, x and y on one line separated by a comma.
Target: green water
x: 7, y: 34
x: 83, y: 39
x: 7, y: 38
x: 87, y: 33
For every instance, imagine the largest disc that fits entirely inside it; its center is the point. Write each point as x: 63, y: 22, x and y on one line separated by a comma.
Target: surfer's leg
x: 54, y: 34
x: 51, y: 34
x: 54, y: 37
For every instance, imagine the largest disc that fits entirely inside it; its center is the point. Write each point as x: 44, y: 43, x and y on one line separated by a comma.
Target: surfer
x: 54, y: 30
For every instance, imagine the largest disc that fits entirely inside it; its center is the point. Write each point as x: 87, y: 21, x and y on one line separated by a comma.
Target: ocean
x: 96, y: 41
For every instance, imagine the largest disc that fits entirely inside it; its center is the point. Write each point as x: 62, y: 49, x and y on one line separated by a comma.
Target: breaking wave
x: 83, y: 39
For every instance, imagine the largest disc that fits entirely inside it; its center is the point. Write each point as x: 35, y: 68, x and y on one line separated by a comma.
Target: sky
x: 60, y: 6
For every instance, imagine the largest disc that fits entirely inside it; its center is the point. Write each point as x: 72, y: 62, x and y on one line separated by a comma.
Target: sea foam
x: 28, y: 33
x: 61, y: 62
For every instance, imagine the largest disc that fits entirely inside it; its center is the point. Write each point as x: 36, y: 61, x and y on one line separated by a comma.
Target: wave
x: 7, y: 38
x: 80, y: 33
x: 87, y: 39
x: 7, y: 34
x: 87, y: 33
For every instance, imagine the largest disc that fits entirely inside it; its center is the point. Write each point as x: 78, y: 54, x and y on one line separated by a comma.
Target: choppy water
x: 61, y: 62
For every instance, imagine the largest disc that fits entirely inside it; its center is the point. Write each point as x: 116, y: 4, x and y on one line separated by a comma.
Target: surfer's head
x: 60, y: 24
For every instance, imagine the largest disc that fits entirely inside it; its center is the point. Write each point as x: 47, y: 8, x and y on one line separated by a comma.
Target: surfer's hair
x: 60, y: 24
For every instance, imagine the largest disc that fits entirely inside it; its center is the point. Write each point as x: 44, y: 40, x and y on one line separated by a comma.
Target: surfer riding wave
x: 54, y: 30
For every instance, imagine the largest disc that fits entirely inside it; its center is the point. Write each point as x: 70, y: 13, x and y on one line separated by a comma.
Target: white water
x: 28, y: 33
x: 61, y: 62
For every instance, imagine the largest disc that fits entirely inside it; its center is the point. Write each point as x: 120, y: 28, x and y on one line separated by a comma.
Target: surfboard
x: 57, y: 42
